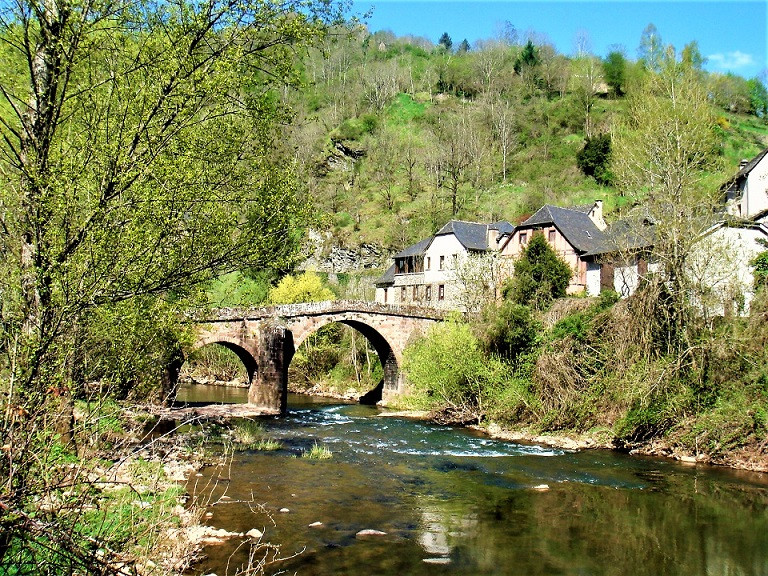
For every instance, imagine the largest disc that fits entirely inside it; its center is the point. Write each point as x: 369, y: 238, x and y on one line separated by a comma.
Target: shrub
x: 510, y: 330
x: 595, y: 159
x: 308, y: 287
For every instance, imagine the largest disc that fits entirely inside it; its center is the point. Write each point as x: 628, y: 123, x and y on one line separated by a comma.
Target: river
x: 450, y: 501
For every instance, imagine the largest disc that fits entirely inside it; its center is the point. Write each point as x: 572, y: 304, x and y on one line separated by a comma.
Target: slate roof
x: 748, y: 167
x: 388, y: 278
x: 503, y: 227
x: 577, y: 227
x: 626, y: 235
x: 472, y: 235
x: 415, y: 249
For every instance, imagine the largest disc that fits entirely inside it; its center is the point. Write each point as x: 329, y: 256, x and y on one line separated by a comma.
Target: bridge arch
x: 246, y: 356
x: 388, y: 357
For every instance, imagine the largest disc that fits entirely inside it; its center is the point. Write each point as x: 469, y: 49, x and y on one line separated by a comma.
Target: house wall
x: 424, y: 288
x: 755, y: 195
x: 593, y: 279
x: 562, y: 248
x: 720, y: 269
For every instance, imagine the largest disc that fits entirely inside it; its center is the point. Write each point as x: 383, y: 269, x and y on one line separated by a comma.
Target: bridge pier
x: 269, y: 389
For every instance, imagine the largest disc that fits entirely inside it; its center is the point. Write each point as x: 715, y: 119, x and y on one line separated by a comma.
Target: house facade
x: 573, y: 233
x: 746, y: 194
x: 425, y: 273
x: 720, y: 269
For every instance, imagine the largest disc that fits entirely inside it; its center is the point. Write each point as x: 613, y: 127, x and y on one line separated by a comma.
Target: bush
x: 595, y: 159
x: 308, y: 287
x: 510, y: 330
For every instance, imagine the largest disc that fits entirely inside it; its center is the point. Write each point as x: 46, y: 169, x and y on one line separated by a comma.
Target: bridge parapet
x: 317, y: 309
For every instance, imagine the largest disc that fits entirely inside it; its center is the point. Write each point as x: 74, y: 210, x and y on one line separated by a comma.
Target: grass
x: 250, y: 435
x: 317, y: 452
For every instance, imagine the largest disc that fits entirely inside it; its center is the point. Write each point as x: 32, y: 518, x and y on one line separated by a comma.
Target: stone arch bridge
x: 265, y: 339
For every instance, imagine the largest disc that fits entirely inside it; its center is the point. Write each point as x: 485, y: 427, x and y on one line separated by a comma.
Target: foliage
x: 449, y: 373
x: 509, y: 330
x: 528, y: 58
x: 758, y: 97
x: 595, y: 158
x: 307, y: 287
x: 137, y: 163
x: 445, y: 41
x: 663, y: 155
x: 250, y: 435
x: 761, y: 270
x: 614, y: 72
x: 540, y: 275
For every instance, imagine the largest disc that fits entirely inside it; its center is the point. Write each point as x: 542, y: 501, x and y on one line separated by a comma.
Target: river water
x: 450, y: 501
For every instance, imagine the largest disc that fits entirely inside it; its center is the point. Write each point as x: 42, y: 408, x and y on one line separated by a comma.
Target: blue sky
x: 732, y: 35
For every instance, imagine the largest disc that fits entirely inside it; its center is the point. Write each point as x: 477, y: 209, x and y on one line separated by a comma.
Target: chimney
x: 743, y: 163
x: 596, y: 214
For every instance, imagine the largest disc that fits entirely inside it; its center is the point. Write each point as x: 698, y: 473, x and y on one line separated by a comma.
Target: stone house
x: 573, y: 233
x: 424, y: 274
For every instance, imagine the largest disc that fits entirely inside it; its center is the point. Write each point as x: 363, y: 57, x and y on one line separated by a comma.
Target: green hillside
x: 394, y: 136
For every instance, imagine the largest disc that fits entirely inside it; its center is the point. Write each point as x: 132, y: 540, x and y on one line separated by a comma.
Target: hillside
x: 394, y: 136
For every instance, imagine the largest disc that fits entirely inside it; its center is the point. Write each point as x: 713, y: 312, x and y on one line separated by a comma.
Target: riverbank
x: 753, y: 460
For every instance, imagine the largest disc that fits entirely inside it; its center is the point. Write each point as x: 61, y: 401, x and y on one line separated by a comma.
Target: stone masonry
x: 265, y: 339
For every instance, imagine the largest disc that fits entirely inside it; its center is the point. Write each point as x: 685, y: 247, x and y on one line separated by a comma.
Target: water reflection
x: 452, y: 502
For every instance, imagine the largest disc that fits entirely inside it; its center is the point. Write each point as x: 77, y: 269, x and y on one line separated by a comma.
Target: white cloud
x: 731, y: 60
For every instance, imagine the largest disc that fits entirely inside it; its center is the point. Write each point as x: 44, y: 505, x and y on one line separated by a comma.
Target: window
x: 402, y: 294
x: 441, y: 292
x: 429, y: 262
x: 385, y: 295
x: 428, y: 293
x: 523, y: 238
x: 552, y: 236
x: 415, y: 293
x: 442, y: 262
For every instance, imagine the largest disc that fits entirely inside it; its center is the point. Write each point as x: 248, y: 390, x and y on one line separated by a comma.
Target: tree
x: 614, y: 71
x: 540, y: 275
x: 452, y: 157
x: 662, y: 156
x: 134, y: 165
x: 510, y: 330
x: 758, y: 98
x: 651, y: 49
x: 528, y: 58
x: 595, y: 158
x: 477, y: 277
x: 692, y: 57
x: 587, y: 77
x: 526, y: 65
x: 463, y: 47
x: 445, y: 41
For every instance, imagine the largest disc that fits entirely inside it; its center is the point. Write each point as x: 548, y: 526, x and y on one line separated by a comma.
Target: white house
x: 746, y: 194
x: 720, y: 270
x: 425, y: 273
